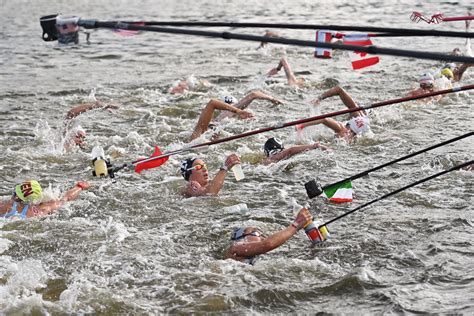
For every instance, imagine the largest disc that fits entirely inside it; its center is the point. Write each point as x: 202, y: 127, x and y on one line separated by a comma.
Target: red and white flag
x: 323, y: 36
x: 360, y: 59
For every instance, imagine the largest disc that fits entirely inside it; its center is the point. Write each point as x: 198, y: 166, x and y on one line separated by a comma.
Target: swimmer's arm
x: 289, y: 152
x: 80, y: 109
x: 251, y: 249
x: 49, y: 207
x: 216, y: 184
x: 3, y: 207
x: 460, y: 71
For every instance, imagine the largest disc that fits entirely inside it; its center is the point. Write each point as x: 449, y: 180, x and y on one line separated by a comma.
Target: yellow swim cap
x: 447, y: 73
x: 29, y: 191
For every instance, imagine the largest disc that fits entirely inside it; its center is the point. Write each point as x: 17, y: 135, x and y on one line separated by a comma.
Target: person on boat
x: 358, y: 124
x: 26, y: 200
x: 231, y: 107
x: 194, y: 171
x: 274, y: 150
x: 74, y: 134
x: 293, y: 81
x: 247, y: 243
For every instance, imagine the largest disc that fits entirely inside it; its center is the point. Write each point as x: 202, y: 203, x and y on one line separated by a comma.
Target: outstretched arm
x: 251, y: 249
x: 245, y: 102
x: 289, y: 152
x: 208, y: 112
x: 336, y: 126
x: 80, y: 109
x: 70, y: 195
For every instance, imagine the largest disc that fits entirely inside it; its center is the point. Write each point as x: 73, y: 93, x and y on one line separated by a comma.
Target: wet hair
x: 186, y: 166
x: 273, y: 146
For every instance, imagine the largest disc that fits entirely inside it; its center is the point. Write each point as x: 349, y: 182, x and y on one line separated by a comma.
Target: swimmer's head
x: 359, y: 124
x: 228, y: 99
x: 426, y: 81
x: 186, y: 168
x: 451, y: 66
x: 29, y: 191
x: 448, y: 73
x: 273, y: 146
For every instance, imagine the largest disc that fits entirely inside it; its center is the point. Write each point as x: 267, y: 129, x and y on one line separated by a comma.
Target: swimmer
x: 247, y: 243
x: 207, y: 114
x: 427, y: 85
x: 290, y: 76
x: 189, y: 84
x: 357, y: 125
x: 274, y: 150
x: 194, y: 171
x: 74, y: 134
x: 268, y: 34
x: 245, y: 102
x: 26, y: 200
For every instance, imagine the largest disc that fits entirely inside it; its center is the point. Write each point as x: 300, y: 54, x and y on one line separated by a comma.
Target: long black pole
x: 397, y: 31
x: 227, y: 35
x: 398, y: 191
x: 366, y: 172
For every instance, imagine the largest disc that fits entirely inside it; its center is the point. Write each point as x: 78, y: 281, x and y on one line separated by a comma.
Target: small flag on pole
x: 360, y: 59
x: 152, y: 163
x: 339, y: 193
x: 323, y: 36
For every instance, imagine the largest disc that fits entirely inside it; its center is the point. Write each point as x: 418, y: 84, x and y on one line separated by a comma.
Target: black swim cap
x: 186, y: 165
x: 272, y: 146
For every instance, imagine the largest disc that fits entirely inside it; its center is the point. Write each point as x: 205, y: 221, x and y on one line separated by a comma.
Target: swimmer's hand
x: 272, y: 72
x: 231, y: 161
x: 302, y: 218
x: 83, y: 185
x: 244, y: 114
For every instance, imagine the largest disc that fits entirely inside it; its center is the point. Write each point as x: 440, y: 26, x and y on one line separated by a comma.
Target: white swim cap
x: 359, y: 124
x: 192, y: 82
x: 228, y: 99
x: 426, y: 79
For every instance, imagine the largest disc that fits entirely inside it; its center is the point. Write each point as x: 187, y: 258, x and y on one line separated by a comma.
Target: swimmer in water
x: 248, y: 243
x: 274, y: 150
x: 230, y: 106
x: 293, y: 81
x: 26, y: 200
x: 194, y: 171
x: 73, y: 133
x: 357, y: 125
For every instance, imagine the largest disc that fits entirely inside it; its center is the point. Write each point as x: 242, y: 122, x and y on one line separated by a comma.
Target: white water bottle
x: 238, y: 172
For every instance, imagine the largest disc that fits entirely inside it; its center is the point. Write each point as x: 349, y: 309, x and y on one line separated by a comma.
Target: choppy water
x: 136, y: 246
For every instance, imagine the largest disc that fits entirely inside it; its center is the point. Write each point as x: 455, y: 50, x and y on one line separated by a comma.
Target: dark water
x: 136, y: 246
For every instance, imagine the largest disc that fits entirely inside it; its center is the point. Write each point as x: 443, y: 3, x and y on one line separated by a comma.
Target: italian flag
x: 339, y: 193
